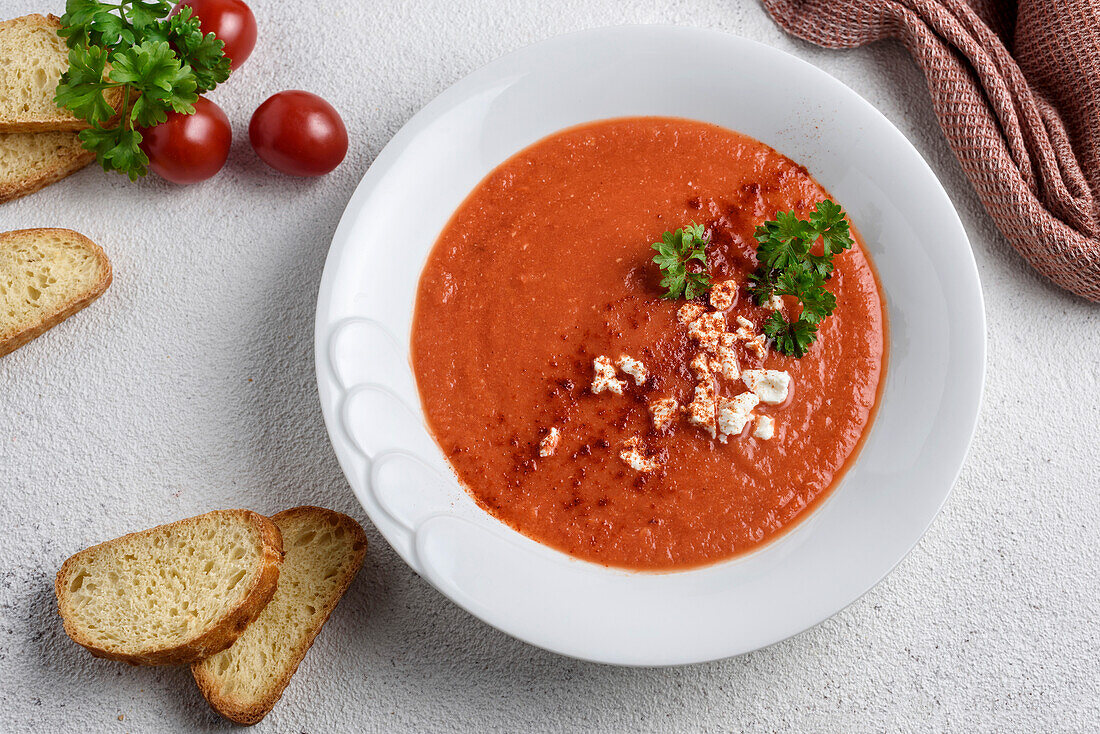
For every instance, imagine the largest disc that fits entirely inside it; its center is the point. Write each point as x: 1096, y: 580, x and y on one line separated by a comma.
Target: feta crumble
x: 764, y: 427
x: 771, y: 386
x: 701, y: 409
x: 775, y: 303
x: 753, y: 340
x: 634, y: 458
x: 723, y: 295
x: 708, y: 329
x: 689, y: 312
x: 634, y: 368
x: 734, y: 415
x: 549, y: 443
x: 700, y: 366
x: 605, y: 377
x: 663, y: 412
x: 725, y: 361
x: 759, y: 345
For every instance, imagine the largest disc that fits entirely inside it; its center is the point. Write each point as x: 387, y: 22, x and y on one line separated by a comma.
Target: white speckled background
x: 189, y: 386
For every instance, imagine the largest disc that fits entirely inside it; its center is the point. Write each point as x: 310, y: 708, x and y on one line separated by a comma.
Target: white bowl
x: 885, y: 502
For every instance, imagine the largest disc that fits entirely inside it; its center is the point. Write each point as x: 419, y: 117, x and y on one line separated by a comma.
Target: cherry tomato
x: 189, y: 148
x: 298, y: 133
x: 230, y: 20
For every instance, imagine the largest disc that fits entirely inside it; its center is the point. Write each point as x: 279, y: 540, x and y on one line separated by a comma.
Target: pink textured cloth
x: 1016, y: 86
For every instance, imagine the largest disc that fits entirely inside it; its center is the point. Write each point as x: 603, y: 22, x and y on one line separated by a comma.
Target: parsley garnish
x: 675, y: 252
x: 788, y: 268
x: 159, y: 64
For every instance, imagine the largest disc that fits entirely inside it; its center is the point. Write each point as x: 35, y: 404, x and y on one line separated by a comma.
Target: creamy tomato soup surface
x: 571, y: 399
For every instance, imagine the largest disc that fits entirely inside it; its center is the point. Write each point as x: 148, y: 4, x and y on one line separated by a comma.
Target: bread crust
x: 70, y: 123
x: 249, y: 714
x: 12, y: 190
x: 224, y: 632
x: 10, y: 343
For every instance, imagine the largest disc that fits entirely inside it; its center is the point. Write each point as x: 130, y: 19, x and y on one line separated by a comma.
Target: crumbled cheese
x: 634, y: 458
x: 689, y: 312
x: 700, y: 366
x: 701, y: 409
x: 759, y: 345
x: 549, y: 443
x: 723, y: 295
x: 764, y: 427
x: 771, y: 386
x: 725, y: 362
x: 734, y: 415
x: 663, y: 412
x: 775, y: 303
x: 605, y: 377
x: 754, y: 341
x: 706, y: 323
x: 634, y: 368
x: 707, y: 329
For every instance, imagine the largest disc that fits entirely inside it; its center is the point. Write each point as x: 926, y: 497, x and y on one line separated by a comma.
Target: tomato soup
x: 544, y: 280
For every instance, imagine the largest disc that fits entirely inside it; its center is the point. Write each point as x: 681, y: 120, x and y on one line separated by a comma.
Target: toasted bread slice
x: 174, y: 594
x: 31, y: 161
x: 324, y: 551
x: 46, y: 275
x: 32, y: 59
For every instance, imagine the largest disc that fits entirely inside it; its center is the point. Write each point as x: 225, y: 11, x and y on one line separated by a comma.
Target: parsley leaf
x: 675, y: 252
x: 762, y: 284
x: 159, y: 63
x: 117, y: 149
x: 820, y: 264
x: 204, y: 54
x: 144, y: 13
x: 783, y: 242
x: 829, y: 223
x: 808, y: 287
x: 82, y: 86
x: 791, y: 337
x: 78, y: 24
x: 153, y: 70
x: 789, y: 268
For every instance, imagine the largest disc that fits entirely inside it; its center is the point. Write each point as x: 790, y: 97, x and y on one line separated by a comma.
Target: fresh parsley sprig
x: 204, y: 54
x: 145, y: 63
x: 791, y: 337
x: 93, y: 23
x: 675, y: 252
x: 789, y: 268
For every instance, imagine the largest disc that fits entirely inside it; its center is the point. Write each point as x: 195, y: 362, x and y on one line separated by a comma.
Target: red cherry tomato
x: 231, y: 21
x: 189, y: 148
x: 298, y: 133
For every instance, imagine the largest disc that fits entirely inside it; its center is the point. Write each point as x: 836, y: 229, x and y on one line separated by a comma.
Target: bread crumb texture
x: 323, y: 551
x: 23, y: 155
x: 32, y: 59
x: 161, y: 587
x: 43, y: 273
x: 29, y: 161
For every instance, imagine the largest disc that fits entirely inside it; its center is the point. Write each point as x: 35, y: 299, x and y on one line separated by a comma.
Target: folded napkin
x: 1016, y: 86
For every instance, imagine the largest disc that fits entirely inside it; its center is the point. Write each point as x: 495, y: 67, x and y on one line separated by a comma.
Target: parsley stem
x: 126, y: 108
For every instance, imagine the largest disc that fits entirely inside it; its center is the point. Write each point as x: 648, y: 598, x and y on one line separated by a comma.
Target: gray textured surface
x: 190, y: 386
